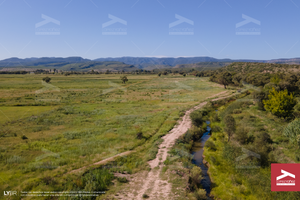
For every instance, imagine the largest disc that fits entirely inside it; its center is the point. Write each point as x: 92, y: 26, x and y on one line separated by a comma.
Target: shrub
x: 139, y: 135
x: 229, y: 126
x: 196, y: 118
x: 24, y: 137
x: 280, y: 103
x: 145, y: 196
x: 210, y: 145
x: 122, y: 179
x: 216, y: 118
x: 47, y: 79
x: 241, y: 135
x: 200, y: 194
x: 292, y: 131
x: 215, y: 128
x: 97, y: 180
x: 195, y: 177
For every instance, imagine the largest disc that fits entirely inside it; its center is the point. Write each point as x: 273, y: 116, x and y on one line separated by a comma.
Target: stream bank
x: 197, y: 152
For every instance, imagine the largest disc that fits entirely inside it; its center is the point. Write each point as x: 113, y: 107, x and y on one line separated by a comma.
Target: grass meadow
x: 48, y: 130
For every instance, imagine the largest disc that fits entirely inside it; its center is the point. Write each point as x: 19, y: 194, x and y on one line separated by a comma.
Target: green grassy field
x: 81, y: 119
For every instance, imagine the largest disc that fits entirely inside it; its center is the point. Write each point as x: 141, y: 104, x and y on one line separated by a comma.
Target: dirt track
x: 101, y: 162
x: 155, y: 187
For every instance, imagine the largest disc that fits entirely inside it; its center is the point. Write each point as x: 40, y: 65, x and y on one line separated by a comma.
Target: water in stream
x: 197, y: 152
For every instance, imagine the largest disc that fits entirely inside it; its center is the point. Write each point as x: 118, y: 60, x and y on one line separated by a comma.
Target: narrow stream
x: 197, y: 152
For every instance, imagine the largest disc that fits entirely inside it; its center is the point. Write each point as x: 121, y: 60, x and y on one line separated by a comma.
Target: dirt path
x: 168, y: 142
x: 101, y: 162
x: 152, y: 185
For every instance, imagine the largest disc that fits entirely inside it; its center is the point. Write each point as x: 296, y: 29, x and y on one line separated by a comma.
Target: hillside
x: 242, y: 67
x: 134, y: 63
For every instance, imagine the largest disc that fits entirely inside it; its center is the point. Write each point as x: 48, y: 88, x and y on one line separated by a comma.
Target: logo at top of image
x: 284, y: 177
x: 112, y: 30
x: 242, y: 28
x: 181, y: 31
x: 42, y: 28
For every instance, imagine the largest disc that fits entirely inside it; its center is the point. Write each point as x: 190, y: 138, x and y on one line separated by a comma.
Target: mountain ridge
x: 127, y: 62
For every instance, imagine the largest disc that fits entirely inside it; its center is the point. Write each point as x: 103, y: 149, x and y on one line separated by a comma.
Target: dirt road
x: 153, y: 185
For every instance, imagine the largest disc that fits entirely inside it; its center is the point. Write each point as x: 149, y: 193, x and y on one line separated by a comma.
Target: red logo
x: 285, y: 177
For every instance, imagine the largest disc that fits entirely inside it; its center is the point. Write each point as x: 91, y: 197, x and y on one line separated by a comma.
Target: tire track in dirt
x: 153, y: 185
x: 100, y: 162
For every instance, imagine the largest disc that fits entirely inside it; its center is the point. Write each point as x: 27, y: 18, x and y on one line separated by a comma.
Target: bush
x: 24, y: 137
x: 241, y: 135
x: 280, y: 103
x: 139, y: 135
x: 122, y: 179
x: 196, y: 118
x: 145, y: 196
x: 216, y: 118
x: 216, y: 128
x: 200, y: 194
x: 292, y: 131
x: 47, y: 79
x: 97, y: 180
x: 210, y: 145
x: 229, y: 126
x: 195, y: 177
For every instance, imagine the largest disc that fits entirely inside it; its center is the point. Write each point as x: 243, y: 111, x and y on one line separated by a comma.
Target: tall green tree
x: 280, y: 103
x: 230, y: 126
x: 225, y: 79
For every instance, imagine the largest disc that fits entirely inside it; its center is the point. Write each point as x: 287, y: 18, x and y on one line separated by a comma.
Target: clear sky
x: 236, y: 29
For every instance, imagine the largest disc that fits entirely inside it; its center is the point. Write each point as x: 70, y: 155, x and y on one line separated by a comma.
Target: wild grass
x: 80, y: 120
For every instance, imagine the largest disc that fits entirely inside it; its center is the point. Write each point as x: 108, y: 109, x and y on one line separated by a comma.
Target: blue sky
x: 271, y: 28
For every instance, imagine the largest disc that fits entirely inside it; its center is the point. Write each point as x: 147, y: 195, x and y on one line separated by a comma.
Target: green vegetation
x: 280, y: 103
x: 266, y: 130
x: 292, y: 131
x: 240, y: 168
x: 229, y: 122
x: 77, y: 120
x: 47, y: 79
x: 124, y: 79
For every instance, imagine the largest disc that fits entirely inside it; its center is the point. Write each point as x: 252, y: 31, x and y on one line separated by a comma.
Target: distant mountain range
x: 126, y: 63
